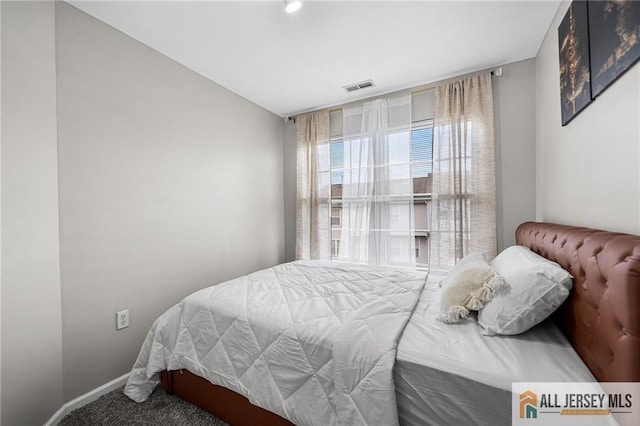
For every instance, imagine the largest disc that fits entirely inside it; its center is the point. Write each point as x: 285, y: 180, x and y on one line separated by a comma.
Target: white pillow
x: 467, y: 287
x: 534, y: 287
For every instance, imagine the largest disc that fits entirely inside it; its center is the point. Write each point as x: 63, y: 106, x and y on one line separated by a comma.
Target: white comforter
x: 314, y: 342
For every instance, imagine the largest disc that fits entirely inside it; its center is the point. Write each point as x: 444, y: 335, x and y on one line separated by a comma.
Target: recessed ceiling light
x: 292, y: 5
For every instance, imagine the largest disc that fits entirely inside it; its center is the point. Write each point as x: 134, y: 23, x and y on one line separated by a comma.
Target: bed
x: 595, y: 335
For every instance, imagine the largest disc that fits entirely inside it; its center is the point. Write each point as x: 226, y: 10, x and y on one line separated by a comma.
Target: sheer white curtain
x: 377, y: 189
x: 464, y: 190
x: 313, y: 223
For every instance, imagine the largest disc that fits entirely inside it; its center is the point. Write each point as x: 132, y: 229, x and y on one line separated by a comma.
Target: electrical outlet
x: 122, y: 319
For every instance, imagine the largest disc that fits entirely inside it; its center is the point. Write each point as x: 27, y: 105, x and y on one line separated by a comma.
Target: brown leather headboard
x: 601, y: 317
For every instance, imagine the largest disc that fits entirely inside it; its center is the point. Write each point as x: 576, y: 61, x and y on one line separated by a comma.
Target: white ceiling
x: 291, y: 63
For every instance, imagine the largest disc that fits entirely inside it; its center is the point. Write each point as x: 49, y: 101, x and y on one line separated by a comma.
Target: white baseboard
x: 88, y: 397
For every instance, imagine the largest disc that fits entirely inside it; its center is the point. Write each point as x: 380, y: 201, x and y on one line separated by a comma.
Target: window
x: 337, y: 165
x: 335, y: 248
x: 420, y: 165
x: 335, y: 217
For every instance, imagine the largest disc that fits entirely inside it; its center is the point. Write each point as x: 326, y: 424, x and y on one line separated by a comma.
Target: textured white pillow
x: 534, y: 287
x: 467, y: 287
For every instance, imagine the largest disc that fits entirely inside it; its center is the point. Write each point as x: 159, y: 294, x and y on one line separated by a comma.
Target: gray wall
x: 0, y: 213
x: 514, y: 109
x: 588, y: 172
x: 31, y: 331
x: 168, y: 183
x: 289, y: 147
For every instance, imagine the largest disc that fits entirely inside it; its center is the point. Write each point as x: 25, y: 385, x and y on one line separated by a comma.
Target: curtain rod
x: 494, y: 72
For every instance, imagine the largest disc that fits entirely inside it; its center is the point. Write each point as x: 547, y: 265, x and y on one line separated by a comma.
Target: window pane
x: 422, y: 168
x: 422, y: 150
x: 399, y: 180
x: 337, y: 154
x: 399, y: 150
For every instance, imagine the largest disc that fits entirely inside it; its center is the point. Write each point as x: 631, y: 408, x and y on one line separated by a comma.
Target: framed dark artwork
x: 614, y: 46
x: 575, y: 78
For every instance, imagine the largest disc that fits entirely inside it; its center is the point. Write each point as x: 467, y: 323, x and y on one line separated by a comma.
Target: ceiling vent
x: 358, y: 86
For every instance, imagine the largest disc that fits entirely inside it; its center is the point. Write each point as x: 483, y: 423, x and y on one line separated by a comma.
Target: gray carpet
x: 115, y: 408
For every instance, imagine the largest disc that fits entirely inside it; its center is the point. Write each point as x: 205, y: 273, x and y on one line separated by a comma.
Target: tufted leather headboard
x: 601, y: 317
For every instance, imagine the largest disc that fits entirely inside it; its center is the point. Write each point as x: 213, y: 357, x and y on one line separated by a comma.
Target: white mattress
x: 452, y: 374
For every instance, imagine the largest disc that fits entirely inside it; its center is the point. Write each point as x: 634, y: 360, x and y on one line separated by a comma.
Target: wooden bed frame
x: 223, y: 403
x: 601, y: 317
